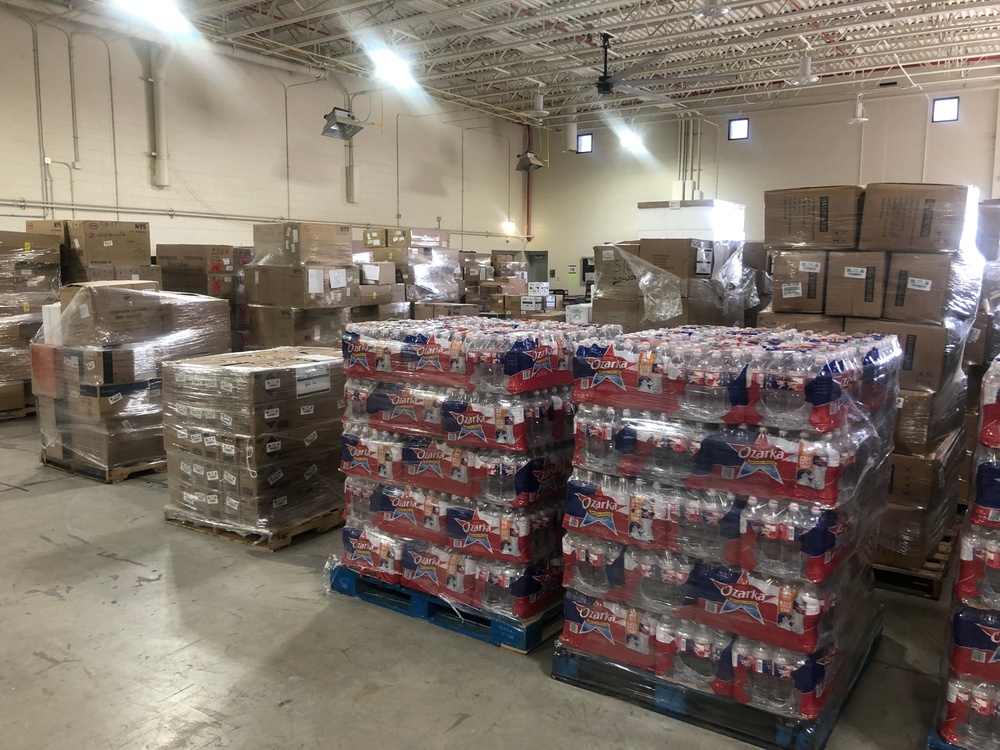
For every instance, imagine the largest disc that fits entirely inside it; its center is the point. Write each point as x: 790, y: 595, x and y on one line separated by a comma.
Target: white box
x: 702, y: 220
x: 533, y: 304
x: 579, y: 314
x: 538, y: 288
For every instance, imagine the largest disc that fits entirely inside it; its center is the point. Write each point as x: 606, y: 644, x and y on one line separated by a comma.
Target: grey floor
x: 118, y: 631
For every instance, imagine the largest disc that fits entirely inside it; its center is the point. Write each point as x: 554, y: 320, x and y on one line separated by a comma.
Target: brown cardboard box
x: 97, y: 273
x: 203, y: 258
x: 44, y: 247
x: 112, y: 242
x: 925, y: 418
x: 429, y: 238
x: 907, y: 535
x: 919, y: 218
x: 110, y: 366
x: 814, y: 218
x: 276, y: 326
x: 922, y: 287
x: 799, y: 281
x: 395, y: 311
x: 448, y: 309
x: 930, y: 353
x: 68, y: 292
x: 687, y: 258
x: 17, y: 334
x: 57, y: 228
x: 107, y: 444
x: 628, y: 314
x: 302, y: 286
x: 755, y: 255
x: 974, y: 394
x: 11, y: 396
x: 301, y: 242
x: 916, y: 478
x: 119, y: 399
x: 376, y: 237
x: 976, y: 343
x: 139, y: 273
x: 615, y: 277
x: 970, y: 426
x: 47, y: 371
x: 423, y: 310
x: 398, y: 238
x: 378, y: 273
x: 107, y: 315
x: 381, y: 294
x: 382, y: 255
x: 855, y: 284
x: 199, y: 324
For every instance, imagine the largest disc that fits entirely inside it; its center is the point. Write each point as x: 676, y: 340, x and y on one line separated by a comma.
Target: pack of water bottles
x: 514, y: 589
x: 491, y: 420
x: 491, y: 355
x: 781, y: 379
x: 970, y: 713
x: 723, y: 509
x: 513, y: 478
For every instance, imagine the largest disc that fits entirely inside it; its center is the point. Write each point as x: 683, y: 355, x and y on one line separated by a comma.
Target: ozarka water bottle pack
x: 723, y: 506
x: 457, y: 448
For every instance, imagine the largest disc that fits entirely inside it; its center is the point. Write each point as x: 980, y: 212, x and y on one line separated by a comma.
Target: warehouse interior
x: 264, y: 264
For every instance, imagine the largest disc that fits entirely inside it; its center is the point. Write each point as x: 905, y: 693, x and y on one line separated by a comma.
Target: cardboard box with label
x: 615, y: 275
x: 378, y: 273
x: 396, y: 255
x: 918, y: 218
x: 306, y: 287
x: 110, y: 242
x: 976, y: 345
x: 277, y: 326
x: 203, y: 258
x: 914, y: 479
x: 579, y: 314
x: 628, y: 314
x: 375, y: 238
x: 813, y: 218
x: 908, y: 534
x: 925, y: 418
x: 105, y: 315
x: 138, y: 273
x: 855, y: 284
x: 925, y: 288
x: 688, y: 258
x: 301, y: 242
x: 931, y: 353
x: 799, y: 281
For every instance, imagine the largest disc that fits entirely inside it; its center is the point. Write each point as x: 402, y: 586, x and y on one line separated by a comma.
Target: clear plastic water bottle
x: 980, y: 731
x: 783, y: 665
x: 769, y: 545
x: 689, y: 533
x: 782, y: 397
x: 762, y: 677
x: 793, y: 527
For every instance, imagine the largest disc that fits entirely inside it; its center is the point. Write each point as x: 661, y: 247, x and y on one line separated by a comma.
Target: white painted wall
x: 584, y: 200
x: 226, y: 124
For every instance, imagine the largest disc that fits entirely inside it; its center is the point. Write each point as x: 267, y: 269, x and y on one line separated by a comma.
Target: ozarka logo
x: 742, y: 595
x: 359, y: 457
x: 404, y: 507
x: 403, y: 405
x: 477, y: 531
x: 994, y: 635
x: 546, y: 478
x: 598, y: 509
x: 545, y: 578
x: 760, y: 456
x: 597, y: 620
x: 608, y: 367
x: 427, y: 566
x: 541, y: 359
x: 471, y: 423
x: 363, y: 550
x: 429, y: 355
x: 429, y: 459
x: 358, y: 354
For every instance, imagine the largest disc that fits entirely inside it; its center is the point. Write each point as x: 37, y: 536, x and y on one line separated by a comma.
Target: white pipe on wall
x: 160, y: 58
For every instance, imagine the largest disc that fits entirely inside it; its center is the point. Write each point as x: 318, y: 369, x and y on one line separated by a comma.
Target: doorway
x: 538, y: 265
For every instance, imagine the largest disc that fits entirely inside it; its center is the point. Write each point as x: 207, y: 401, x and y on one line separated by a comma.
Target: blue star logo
x: 541, y: 361
x: 358, y: 358
x: 600, y: 515
x: 355, y: 461
x: 594, y: 626
x: 407, y: 513
x: 473, y: 431
x: 614, y: 377
x: 426, y: 571
x: 770, y: 470
x: 546, y: 478
x: 403, y: 411
x: 741, y: 596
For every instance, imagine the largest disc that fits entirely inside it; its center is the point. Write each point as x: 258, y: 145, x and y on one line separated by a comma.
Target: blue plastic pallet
x: 934, y: 742
x: 507, y: 632
x: 722, y: 715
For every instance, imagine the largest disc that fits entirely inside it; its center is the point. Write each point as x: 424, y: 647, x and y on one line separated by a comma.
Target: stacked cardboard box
x: 901, y: 260
x: 96, y: 376
x: 426, y: 270
x: 704, y: 277
x: 300, y: 285
x: 509, y: 280
x: 253, y: 439
x: 29, y: 279
x: 102, y: 250
x: 477, y: 269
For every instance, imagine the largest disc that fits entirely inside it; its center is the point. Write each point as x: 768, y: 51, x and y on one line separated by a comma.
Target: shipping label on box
x: 855, y: 284
x: 538, y: 288
x: 799, y: 281
x: 920, y: 287
x: 378, y: 273
x: 532, y: 304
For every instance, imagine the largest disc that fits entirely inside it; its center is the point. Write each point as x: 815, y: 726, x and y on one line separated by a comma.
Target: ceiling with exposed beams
x: 495, y: 55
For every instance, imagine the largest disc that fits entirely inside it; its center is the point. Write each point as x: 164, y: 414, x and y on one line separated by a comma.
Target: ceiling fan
x: 609, y: 84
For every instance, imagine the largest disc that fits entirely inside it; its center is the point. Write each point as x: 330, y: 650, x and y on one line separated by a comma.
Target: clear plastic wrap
x: 924, y: 419
x: 484, y: 354
x: 273, y: 280
x: 437, y: 278
x: 813, y: 218
x: 100, y: 387
x: 251, y: 438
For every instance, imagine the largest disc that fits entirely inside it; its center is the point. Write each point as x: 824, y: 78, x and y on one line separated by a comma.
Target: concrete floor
x: 118, y: 631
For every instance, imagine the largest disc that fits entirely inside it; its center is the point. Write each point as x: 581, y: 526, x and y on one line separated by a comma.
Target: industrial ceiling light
x: 342, y: 125
x: 631, y: 140
x: 528, y: 162
x: 539, y: 110
x: 392, y: 69
x: 859, y: 114
x: 805, y: 76
x: 509, y: 227
x: 712, y: 9
x: 161, y: 14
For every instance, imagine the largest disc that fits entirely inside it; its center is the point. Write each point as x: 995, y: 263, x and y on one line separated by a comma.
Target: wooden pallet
x: 269, y: 539
x: 507, y: 632
x: 929, y: 580
x: 108, y: 475
x: 716, y: 713
x: 27, y: 411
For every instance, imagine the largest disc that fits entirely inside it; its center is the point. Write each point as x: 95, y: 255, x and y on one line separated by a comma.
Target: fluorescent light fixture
x: 585, y: 143
x: 859, y: 114
x: 528, y: 162
x: 342, y: 125
x: 161, y: 14
x: 631, y: 140
x: 392, y: 69
x: 945, y: 110
x: 509, y: 227
x: 712, y: 9
x: 805, y: 76
x: 739, y: 129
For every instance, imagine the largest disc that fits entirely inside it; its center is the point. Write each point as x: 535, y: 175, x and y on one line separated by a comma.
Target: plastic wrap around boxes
x: 96, y: 368
x: 253, y: 438
x: 895, y: 259
x: 667, y: 282
x: 723, y: 509
x: 968, y: 716
x: 102, y: 250
x: 457, y: 447
x: 29, y: 279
